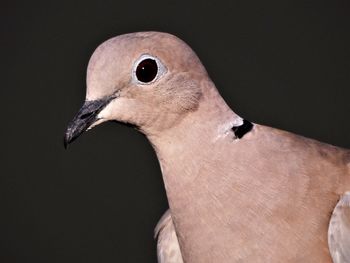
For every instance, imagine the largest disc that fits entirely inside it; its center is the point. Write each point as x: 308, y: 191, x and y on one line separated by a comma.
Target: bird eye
x: 147, y: 70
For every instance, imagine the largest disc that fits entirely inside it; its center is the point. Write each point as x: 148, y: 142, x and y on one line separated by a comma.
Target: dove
x: 237, y: 191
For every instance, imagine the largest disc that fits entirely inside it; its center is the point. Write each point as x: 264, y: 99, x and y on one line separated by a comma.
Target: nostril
x: 86, y: 115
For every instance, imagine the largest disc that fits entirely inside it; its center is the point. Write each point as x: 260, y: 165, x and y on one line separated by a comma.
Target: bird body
x: 266, y: 197
x: 262, y: 195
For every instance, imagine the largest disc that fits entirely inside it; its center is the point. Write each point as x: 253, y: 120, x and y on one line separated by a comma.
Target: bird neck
x: 188, y: 153
x: 187, y: 141
x: 212, y: 119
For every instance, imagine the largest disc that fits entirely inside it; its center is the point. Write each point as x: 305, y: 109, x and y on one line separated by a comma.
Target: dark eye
x: 147, y: 70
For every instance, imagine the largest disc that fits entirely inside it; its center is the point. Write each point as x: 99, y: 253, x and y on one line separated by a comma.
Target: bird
x: 238, y: 191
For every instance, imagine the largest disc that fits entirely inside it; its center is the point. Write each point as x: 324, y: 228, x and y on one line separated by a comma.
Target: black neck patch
x: 242, y: 130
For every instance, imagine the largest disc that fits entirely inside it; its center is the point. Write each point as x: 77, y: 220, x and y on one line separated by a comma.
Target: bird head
x: 148, y: 79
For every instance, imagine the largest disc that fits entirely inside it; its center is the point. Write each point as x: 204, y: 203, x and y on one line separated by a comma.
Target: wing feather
x: 339, y: 231
x: 168, y: 249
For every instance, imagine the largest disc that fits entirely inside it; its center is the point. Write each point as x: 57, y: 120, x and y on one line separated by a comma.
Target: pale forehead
x: 108, y: 64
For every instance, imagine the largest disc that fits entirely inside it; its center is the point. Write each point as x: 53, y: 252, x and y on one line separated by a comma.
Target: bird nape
x: 237, y: 191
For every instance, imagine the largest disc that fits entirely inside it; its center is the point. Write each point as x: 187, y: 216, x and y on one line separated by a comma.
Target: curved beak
x: 86, y: 117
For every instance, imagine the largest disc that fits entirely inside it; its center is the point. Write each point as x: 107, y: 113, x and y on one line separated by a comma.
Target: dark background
x: 280, y: 63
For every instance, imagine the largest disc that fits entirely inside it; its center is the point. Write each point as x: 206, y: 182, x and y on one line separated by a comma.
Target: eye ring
x: 147, y: 69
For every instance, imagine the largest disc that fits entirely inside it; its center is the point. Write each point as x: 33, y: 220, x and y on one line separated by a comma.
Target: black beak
x: 86, y: 116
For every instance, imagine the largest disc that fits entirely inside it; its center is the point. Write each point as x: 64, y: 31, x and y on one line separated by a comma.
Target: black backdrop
x: 280, y: 63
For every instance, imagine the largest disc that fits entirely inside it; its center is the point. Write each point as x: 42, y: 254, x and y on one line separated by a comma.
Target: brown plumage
x: 266, y: 197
